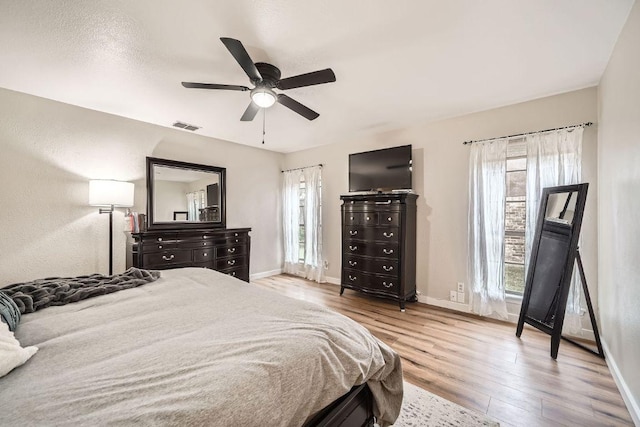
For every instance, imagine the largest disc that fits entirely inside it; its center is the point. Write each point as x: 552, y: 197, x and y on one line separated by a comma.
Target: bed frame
x: 354, y: 409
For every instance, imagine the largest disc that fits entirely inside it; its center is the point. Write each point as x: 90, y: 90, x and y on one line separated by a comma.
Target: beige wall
x: 49, y: 151
x: 619, y: 211
x: 440, y: 179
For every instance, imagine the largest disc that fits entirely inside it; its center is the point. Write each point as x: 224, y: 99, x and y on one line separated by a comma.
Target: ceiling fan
x: 266, y: 77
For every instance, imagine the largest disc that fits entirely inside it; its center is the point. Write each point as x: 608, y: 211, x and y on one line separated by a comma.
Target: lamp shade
x: 107, y: 192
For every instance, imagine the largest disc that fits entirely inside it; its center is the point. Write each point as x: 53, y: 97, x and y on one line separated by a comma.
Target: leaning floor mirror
x: 554, y: 253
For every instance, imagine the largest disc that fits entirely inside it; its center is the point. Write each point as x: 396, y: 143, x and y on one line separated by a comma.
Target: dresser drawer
x: 161, y: 246
x: 375, y: 249
x: 166, y: 258
x: 241, y: 273
x: 203, y: 255
x: 386, y: 266
x: 371, y: 282
x: 227, y: 263
x: 384, y: 234
x: 230, y: 251
x: 163, y: 239
x: 196, y: 244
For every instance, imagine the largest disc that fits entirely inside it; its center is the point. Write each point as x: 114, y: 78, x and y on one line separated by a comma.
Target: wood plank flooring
x: 478, y: 363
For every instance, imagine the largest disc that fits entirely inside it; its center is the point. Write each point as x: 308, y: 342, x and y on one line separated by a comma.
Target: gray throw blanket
x: 41, y: 293
x: 9, y: 312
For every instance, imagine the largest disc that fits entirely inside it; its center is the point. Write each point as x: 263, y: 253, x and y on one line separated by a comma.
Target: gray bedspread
x: 194, y: 348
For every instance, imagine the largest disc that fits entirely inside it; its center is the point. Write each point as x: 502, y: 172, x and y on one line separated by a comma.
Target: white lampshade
x: 107, y: 192
x: 263, y: 97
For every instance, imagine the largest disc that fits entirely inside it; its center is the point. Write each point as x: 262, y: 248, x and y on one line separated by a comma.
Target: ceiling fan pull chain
x: 264, y: 119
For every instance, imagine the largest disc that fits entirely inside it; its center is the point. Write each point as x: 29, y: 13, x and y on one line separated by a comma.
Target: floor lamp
x: 112, y: 194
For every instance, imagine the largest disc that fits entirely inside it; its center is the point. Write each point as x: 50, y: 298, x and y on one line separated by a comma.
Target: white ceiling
x: 396, y: 62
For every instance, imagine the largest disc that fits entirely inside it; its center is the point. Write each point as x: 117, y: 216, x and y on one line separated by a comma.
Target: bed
x: 197, y: 347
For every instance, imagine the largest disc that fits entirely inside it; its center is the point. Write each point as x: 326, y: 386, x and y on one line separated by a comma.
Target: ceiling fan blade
x: 250, y: 112
x: 213, y: 86
x: 240, y: 54
x: 294, y: 105
x: 308, y: 79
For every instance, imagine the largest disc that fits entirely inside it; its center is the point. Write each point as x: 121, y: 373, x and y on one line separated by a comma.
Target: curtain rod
x: 305, y: 167
x: 530, y: 133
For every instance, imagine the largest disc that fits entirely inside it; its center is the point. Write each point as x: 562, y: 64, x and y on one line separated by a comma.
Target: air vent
x: 186, y: 126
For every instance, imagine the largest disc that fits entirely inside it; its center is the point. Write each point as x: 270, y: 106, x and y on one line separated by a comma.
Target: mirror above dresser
x: 185, y: 195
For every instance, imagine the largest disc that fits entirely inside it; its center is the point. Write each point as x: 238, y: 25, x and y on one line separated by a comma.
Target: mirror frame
x: 170, y: 225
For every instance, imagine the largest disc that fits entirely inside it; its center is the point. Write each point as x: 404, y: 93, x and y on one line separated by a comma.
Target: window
x: 515, y: 217
x: 301, y: 226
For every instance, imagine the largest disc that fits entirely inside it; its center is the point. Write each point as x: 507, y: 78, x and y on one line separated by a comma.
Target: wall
x: 618, y: 211
x: 440, y: 178
x: 173, y: 199
x: 49, y: 151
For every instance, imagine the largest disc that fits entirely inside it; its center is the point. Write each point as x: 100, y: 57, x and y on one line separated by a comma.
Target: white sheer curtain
x: 291, y: 219
x: 487, y: 173
x: 192, y: 206
x: 553, y: 158
x: 313, y: 269
x: 310, y: 266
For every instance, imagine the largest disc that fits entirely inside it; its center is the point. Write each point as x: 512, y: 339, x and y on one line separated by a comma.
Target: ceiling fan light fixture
x: 263, y: 97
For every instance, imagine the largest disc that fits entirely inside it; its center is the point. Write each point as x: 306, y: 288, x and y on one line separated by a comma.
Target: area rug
x: 421, y: 408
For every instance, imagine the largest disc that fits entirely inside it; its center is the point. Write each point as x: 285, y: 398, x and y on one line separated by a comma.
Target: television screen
x: 381, y: 170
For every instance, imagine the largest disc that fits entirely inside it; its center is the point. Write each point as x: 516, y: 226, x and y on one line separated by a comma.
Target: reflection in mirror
x: 561, y: 207
x: 184, y: 195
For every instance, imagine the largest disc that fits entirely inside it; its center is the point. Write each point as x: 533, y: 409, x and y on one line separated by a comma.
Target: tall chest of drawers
x: 226, y: 250
x: 379, y: 245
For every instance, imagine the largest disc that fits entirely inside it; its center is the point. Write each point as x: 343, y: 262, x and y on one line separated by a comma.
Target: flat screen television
x: 381, y: 170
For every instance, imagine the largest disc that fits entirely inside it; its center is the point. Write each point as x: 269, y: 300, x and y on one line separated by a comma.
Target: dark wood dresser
x: 379, y: 245
x: 225, y: 249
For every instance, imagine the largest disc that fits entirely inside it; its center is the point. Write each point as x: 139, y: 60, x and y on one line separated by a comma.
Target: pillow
x: 12, y: 354
x: 9, y: 311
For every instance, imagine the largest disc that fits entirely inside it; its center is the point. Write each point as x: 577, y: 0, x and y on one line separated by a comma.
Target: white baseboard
x: 627, y: 396
x: 332, y: 280
x: 264, y: 274
x: 458, y: 306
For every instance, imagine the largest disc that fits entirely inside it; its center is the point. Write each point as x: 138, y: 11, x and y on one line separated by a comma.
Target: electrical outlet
x: 325, y: 264
x: 453, y: 296
x: 461, y: 297
x: 460, y: 287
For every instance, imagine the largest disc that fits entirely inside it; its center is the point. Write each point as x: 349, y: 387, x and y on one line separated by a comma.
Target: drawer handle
x: 368, y: 218
x: 231, y: 262
x: 351, y: 218
x: 159, y: 239
x: 353, y: 263
x: 352, y: 278
x: 353, y: 232
x: 387, y: 251
x: 388, y: 202
x: 237, y: 240
x: 205, y: 244
x: 235, y: 234
x: 385, y: 234
x: 205, y: 236
x: 159, y: 246
x: 389, y: 219
x: 233, y: 273
x: 387, y: 286
x: 385, y: 268
x: 168, y: 258
x: 231, y: 250
x: 352, y: 248
x: 205, y: 254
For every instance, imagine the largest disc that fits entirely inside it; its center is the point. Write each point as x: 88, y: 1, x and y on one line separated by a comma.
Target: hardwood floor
x: 478, y: 363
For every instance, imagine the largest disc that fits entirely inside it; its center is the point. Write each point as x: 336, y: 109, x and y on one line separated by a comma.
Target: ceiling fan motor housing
x: 270, y: 74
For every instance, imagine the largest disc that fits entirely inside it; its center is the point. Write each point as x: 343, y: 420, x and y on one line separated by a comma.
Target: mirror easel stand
x: 592, y: 316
